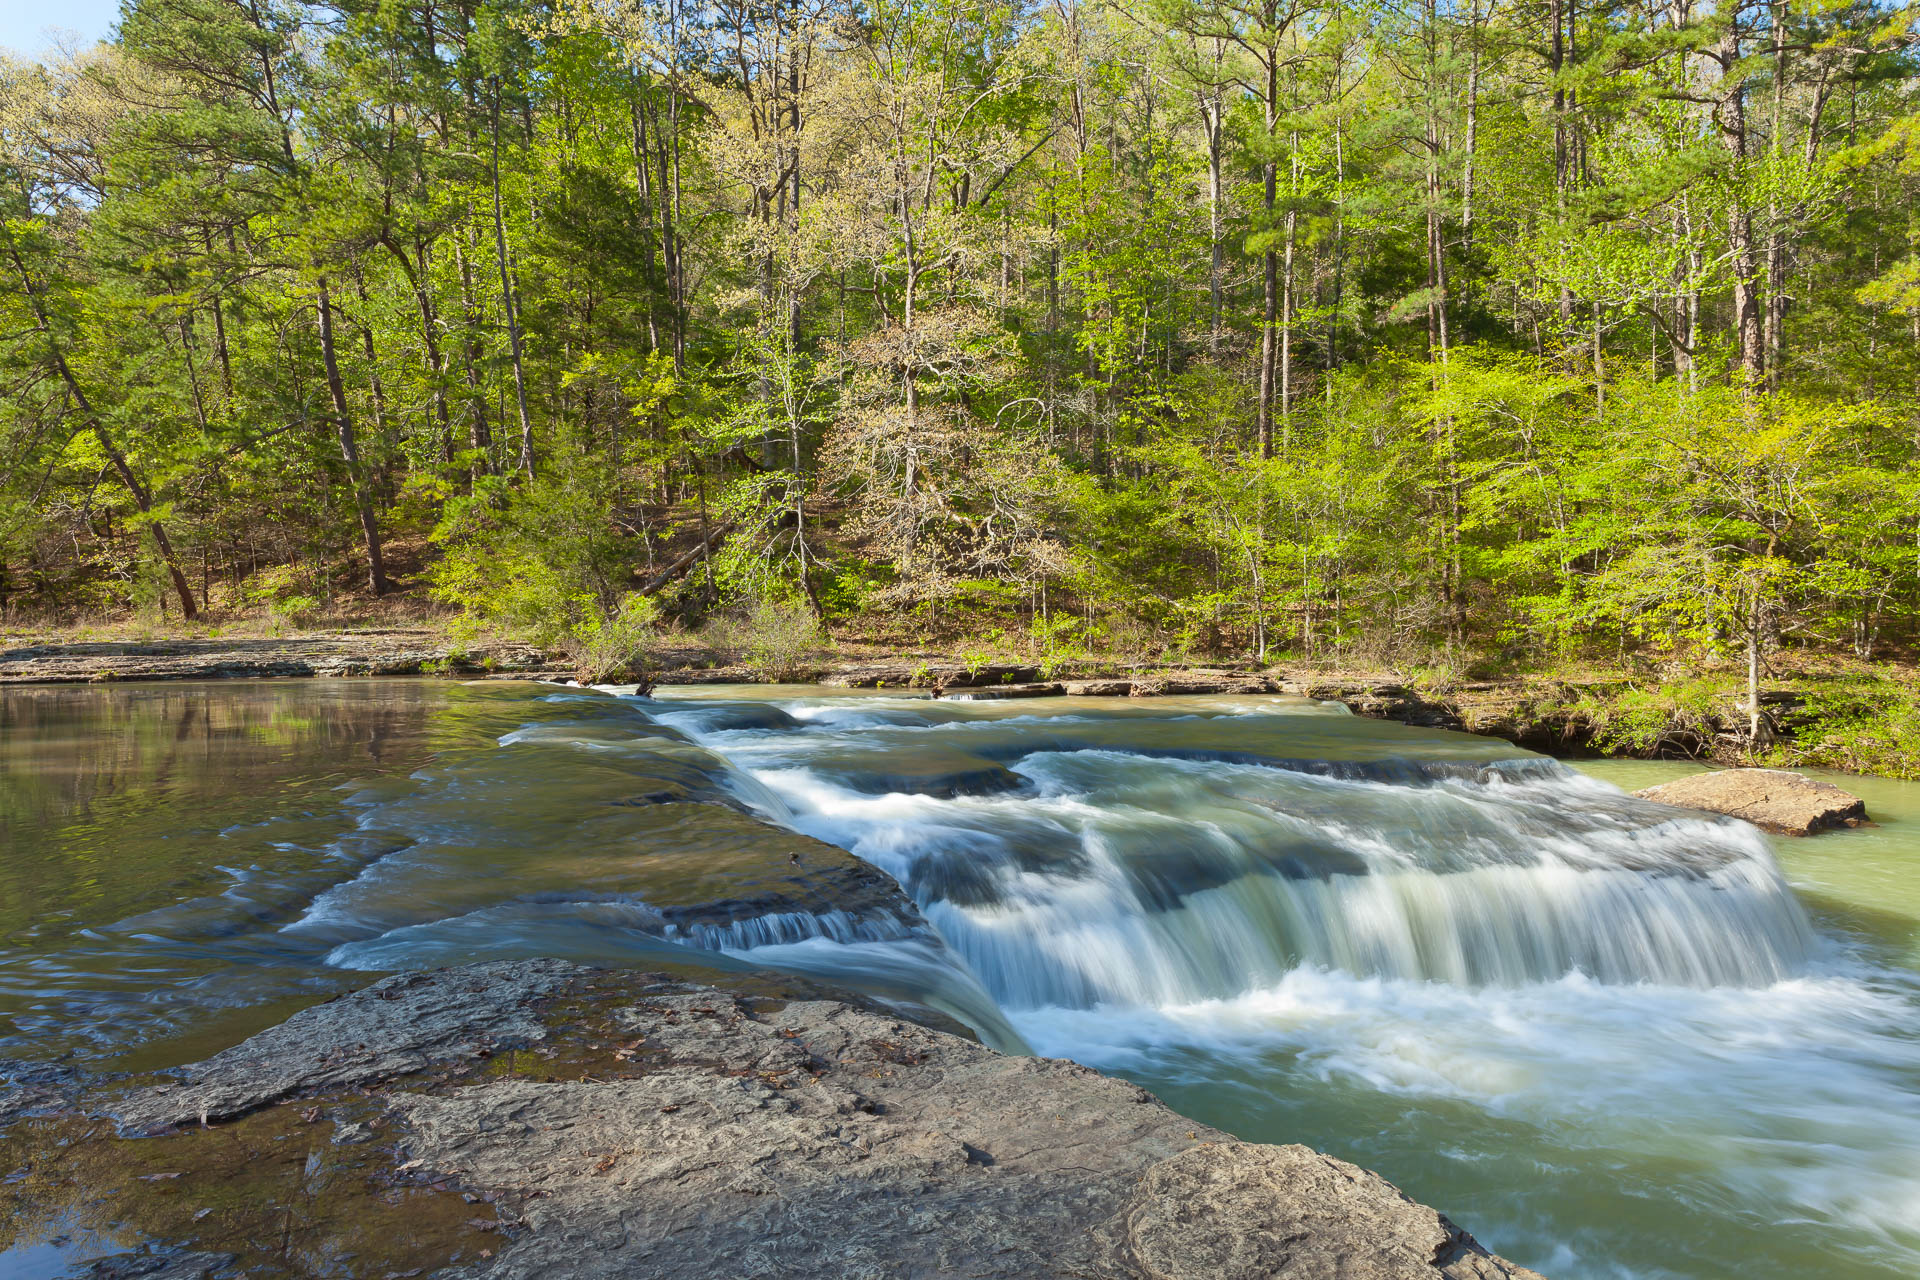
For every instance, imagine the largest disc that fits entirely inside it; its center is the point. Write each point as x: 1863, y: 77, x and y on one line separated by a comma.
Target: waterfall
x: 1161, y: 875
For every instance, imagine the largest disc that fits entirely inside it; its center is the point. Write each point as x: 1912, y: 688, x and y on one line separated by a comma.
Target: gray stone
x: 159, y: 1266
x: 993, y: 693
x: 676, y: 1130
x: 397, y: 1026
x: 824, y: 1140
x: 1230, y: 1210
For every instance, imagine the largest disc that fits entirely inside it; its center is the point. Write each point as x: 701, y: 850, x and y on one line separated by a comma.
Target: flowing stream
x: 1612, y: 1039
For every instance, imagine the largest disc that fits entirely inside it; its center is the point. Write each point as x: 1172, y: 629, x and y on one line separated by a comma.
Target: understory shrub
x: 775, y: 637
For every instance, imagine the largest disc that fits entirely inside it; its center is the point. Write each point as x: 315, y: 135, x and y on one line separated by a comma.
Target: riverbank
x: 519, y: 1114
x: 1855, y: 718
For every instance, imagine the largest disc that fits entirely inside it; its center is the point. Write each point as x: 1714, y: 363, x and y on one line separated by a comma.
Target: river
x: 1611, y: 1039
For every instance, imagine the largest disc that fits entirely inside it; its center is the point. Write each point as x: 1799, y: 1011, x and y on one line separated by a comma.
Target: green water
x: 1607, y: 1040
x: 1865, y: 881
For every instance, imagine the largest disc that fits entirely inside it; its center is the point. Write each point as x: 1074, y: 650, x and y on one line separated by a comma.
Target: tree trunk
x: 1269, y: 259
x: 1212, y: 116
x: 479, y: 435
x: 1286, y: 339
x: 388, y: 441
x: 1776, y: 336
x: 141, y: 497
x: 643, y: 190
x: 429, y: 339
x: 1748, y: 329
x: 1556, y: 62
x: 349, y: 452
x: 506, y: 296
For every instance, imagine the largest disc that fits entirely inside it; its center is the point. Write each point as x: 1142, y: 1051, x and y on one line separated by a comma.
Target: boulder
x: 1789, y: 804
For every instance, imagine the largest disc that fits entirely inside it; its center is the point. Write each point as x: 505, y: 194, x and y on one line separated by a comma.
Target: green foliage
x: 1148, y: 337
x: 619, y: 647
x: 1677, y: 717
x: 286, y: 592
x: 546, y: 559
x: 1862, y: 725
x: 777, y: 638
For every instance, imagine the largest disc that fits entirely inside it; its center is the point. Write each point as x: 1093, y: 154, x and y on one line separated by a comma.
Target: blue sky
x: 25, y: 24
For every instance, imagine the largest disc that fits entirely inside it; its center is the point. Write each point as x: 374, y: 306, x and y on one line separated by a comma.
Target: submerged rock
x: 1774, y: 800
x: 658, y: 1128
x: 148, y: 1266
x: 929, y: 769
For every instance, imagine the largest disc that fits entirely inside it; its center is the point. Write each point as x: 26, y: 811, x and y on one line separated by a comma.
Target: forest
x: 1305, y: 330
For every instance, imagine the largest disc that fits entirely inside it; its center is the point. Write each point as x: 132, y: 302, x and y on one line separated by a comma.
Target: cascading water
x: 1603, y: 1031
x: 1605, y: 1034
x: 1136, y: 873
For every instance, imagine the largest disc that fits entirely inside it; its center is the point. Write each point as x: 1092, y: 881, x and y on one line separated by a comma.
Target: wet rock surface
x: 357, y: 653
x: 928, y: 770
x: 396, y: 1027
x: 1776, y: 800
x: 148, y: 1266
x: 640, y: 1125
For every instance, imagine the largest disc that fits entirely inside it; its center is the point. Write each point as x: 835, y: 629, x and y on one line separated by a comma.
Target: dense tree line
x: 1279, y: 326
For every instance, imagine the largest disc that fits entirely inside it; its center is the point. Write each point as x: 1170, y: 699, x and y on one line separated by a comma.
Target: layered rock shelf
x: 349, y: 653
x: 540, y: 1118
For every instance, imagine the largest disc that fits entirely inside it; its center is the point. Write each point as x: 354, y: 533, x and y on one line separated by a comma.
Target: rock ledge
x: 1776, y: 800
x: 647, y: 1126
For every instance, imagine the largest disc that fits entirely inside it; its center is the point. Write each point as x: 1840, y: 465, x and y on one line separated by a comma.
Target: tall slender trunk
x: 1212, y: 117
x: 1473, y: 126
x: 1748, y: 325
x: 193, y: 373
x: 669, y: 196
x: 142, y: 498
x: 1269, y: 258
x: 374, y: 383
x: 479, y: 434
x: 1286, y: 337
x: 1776, y: 329
x: 429, y: 339
x: 1556, y: 62
x: 643, y: 191
x: 507, y: 297
x: 349, y: 451
x: 220, y: 334
x: 1339, y: 248
x: 1680, y: 338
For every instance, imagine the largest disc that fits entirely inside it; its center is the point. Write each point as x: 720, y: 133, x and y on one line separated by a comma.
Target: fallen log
x: 678, y: 566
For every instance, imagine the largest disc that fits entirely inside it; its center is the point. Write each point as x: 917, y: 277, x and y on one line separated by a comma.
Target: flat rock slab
x: 355, y: 653
x: 1774, y: 800
x: 677, y: 1130
x: 824, y: 1140
x: 399, y: 1026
